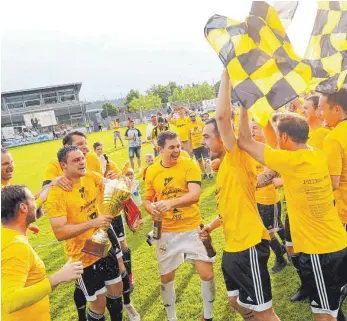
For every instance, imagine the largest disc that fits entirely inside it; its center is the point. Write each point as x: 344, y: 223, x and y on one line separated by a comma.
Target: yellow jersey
x: 267, y: 195
x: 24, y: 287
x: 169, y: 183
x: 316, y: 137
x: 54, y: 170
x: 314, y: 223
x: 79, y: 206
x: 195, y: 133
x: 335, y: 149
x: 181, y: 125
x: 235, y: 188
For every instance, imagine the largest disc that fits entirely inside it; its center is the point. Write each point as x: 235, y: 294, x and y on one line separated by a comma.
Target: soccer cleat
x: 203, y: 319
x: 278, y: 266
x: 204, y: 176
x: 299, y: 296
x: 132, y: 314
x: 210, y: 176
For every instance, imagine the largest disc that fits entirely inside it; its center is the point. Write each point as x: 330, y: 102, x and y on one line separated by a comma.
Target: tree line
x: 157, y: 95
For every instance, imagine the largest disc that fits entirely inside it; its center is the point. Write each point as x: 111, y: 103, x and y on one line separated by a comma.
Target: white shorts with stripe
x: 175, y: 247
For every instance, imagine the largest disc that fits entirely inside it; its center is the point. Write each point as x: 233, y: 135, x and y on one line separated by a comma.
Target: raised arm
x: 246, y: 141
x: 223, y: 113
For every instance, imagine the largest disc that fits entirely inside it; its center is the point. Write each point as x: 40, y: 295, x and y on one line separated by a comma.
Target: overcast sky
x: 113, y: 46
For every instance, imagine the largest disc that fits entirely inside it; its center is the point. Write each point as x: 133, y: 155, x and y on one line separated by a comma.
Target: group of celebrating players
x: 306, y: 155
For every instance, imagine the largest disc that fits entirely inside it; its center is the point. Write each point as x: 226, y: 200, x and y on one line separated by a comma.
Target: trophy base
x: 96, y: 249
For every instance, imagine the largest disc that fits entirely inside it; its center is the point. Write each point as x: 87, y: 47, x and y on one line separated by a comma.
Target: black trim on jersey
x: 46, y: 182
x: 138, y: 132
x: 163, y: 165
x: 194, y: 182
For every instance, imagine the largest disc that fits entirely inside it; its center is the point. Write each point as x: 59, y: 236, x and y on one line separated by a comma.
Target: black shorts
x: 324, y: 275
x: 96, y: 276
x: 200, y: 153
x: 270, y: 214
x: 288, y: 236
x: 246, y: 276
x: 118, y: 226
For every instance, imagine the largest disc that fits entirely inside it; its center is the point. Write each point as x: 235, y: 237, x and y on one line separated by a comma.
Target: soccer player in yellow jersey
x: 74, y: 216
x: 334, y: 111
x: 78, y: 139
x: 24, y: 285
x: 195, y: 129
x: 181, y: 124
x: 269, y: 206
x: 246, y: 252
x: 118, y: 226
x: 7, y: 167
x: 312, y: 115
x: 172, y: 196
x: 316, y: 230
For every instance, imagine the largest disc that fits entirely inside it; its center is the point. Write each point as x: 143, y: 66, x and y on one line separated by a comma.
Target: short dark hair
x: 295, y: 127
x: 206, y: 114
x: 161, y: 119
x: 215, y: 126
x: 153, y: 116
x: 96, y: 145
x: 164, y: 136
x: 338, y: 99
x: 11, y: 198
x: 64, y: 151
x: 4, y: 150
x: 67, y: 140
x: 315, y: 100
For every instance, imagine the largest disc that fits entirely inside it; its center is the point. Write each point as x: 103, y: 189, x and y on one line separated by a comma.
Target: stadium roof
x: 78, y: 84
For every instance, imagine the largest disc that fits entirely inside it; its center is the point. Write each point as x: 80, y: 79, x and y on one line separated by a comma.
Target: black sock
x: 126, y: 287
x: 340, y: 316
x: 282, y: 235
x: 92, y: 316
x: 276, y: 248
x: 127, y: 259
x: 81, y: 304
x: 115, y: 307
x: 296, y: 263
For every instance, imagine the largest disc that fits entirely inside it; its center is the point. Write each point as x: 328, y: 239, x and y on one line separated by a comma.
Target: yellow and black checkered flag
x: 327, y: 48
x: 264, y: 70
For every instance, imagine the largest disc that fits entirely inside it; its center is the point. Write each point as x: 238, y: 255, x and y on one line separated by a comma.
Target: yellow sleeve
x: 172, y: 121
x: 39, y: 202
x: 52, y: 171
x: 193, y: 173
x: 15, y: 265
x: 149, y: 189
x: 98, y: 178
x: 93, y: 163
x: 55, y: 205
x: 333, y: 153
x: 114, y: 167
x: 279, y: 160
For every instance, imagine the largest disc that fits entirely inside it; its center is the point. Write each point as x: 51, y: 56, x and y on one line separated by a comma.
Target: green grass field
x: 30, y: 164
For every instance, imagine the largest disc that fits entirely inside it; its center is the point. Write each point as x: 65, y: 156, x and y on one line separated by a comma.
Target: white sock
x: 208, y: 293
x: 169, y: 299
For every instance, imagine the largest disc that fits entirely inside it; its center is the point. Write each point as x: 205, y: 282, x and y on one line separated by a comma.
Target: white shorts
x: 175, y: 247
